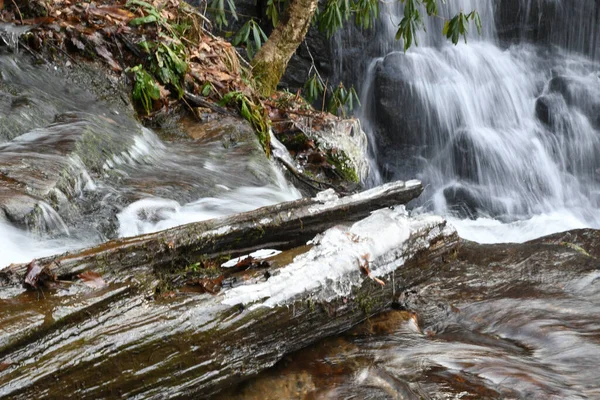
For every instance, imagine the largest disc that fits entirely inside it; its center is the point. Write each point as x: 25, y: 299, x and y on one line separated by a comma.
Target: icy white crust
x: 332, y: 267
x: 257, y: 255
x: 329, y: 199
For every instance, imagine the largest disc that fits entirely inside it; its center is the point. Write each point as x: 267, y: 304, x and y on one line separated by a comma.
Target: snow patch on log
x: 328, y: 199
x: 386, y: 239
x: 257, y: 255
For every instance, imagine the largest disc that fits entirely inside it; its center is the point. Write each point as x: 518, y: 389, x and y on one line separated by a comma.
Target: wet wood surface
x: 280, y: 226
x: 117, y: 337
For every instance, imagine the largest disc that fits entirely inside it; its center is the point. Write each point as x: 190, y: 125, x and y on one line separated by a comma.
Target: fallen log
x: 281, y: 226
x: 117, y: 342
x: 112, y: 339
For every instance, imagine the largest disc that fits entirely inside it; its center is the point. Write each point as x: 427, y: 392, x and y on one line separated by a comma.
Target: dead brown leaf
x: 92, y: 279
x: 103, y: 51
x: 37, y: 275
x: 4, y: 365
x: 206, y: 285
x: 364, y: 268
x: 111, y: 12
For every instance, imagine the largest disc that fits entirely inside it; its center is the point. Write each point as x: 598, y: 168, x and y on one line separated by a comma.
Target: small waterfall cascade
x: 503, y: 129
x: 76, y: 171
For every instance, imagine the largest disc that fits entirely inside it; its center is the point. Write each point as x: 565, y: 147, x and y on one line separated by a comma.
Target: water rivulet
x: 505, y: 129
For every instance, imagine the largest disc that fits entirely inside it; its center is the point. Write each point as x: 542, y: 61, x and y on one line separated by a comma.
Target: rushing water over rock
x: 503, y: 133
x: 75, y: 171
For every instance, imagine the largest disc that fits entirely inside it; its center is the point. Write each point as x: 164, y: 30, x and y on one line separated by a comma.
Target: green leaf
x: 313, y: 88
x: 206, y: 89
x: 256, y: 35
x: 477, y: 21
x: 431, y: 7
x: 272, y: 12
x: 143, y: 20
x: 228, y: 97
x: 446, y: 28
x: 245, y: 112
x: 145, y: 88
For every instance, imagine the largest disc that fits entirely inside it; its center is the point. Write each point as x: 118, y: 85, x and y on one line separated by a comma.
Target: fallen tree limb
x: 281, y: 226
x: 116, y: 342
x: 198, y: 101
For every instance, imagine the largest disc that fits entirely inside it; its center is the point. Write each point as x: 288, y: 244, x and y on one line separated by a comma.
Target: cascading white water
x: 150, y: 213
x: 505, y: 134
x: 74, y: 171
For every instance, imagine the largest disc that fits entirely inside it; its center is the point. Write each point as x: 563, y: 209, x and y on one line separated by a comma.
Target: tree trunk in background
x: 272, y: 59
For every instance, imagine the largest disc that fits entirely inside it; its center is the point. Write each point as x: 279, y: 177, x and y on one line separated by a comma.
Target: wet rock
x: 542, y: 109
x: 344, y: 141
x: 581, y: 93
x: 551, y: 23
x: 31, y: 96
x: 398, y: 109
x: 52, y: 166
x: 462, y: 201
x: 464, y: 157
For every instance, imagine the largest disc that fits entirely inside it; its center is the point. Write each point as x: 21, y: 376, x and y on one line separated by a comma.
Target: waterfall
x: 505, y: 127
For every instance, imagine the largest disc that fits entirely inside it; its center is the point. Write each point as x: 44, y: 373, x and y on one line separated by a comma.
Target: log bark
x: 117, y: 342
x: 281, y: 226
x: 270, y: 62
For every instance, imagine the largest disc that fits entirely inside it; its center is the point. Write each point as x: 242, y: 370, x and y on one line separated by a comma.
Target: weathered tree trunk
x: 117, y: 342
x: 281, y: 226
x: 270, y: 62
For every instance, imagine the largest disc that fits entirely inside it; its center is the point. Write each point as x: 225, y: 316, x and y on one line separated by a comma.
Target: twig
x: 324, y: 97
x: 313, y: 65
x: 191, y: 109
x: 197, y: 101
x: 18, y: 11
x: 64, y: 52
x: 313, y: 183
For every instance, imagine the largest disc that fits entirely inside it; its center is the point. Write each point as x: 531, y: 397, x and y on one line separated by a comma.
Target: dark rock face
x: 542, y: 109
x: 401, y: 137
x: 583, y: 94
x: 570, y: 24
x: 297, y: 72
x: 398, y: 106
x: 462, y: 201
x: 516, y: 21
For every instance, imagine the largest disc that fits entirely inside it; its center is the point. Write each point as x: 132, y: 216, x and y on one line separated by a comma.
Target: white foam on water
x: 18, y: 246
x: 489, y: 230
x: 155, y: 214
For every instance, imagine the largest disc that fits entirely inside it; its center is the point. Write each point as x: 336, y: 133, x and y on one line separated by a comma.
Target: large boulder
x: 398, y: 107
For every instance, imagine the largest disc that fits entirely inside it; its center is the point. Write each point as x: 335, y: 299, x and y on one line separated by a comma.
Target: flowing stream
x: 75, y: 171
